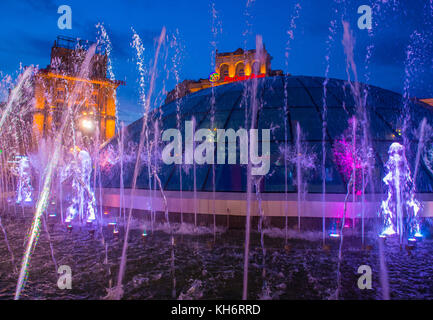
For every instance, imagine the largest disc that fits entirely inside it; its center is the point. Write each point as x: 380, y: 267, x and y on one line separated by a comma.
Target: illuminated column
x: 248, y: 69
x: 38, y: 116
x: 232, y: 70
x: 263, y: 68
x: 110, y: 121
x: 48, y: 120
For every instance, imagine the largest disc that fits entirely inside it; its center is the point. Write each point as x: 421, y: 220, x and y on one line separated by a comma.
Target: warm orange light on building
x: 428, y: 101
x: 54, y: 85
x: 230, y: 66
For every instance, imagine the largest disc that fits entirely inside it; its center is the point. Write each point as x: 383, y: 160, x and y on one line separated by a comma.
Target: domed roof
x: 229, y: 106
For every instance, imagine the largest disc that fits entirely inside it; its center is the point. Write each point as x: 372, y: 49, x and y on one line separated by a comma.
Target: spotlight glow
x: 87, y: 124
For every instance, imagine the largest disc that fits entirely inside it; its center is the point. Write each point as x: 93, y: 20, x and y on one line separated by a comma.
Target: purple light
x: 348, y: 160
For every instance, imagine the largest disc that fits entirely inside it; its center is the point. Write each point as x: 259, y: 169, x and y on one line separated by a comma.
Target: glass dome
x: 229, y: 107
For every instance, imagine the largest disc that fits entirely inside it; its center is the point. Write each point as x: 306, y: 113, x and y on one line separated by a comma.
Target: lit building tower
x: 54, y: 84
x: 233, y: 66
x: 240, y: 64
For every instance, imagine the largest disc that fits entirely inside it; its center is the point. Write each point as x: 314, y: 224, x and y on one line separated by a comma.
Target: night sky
x: 28, y: 29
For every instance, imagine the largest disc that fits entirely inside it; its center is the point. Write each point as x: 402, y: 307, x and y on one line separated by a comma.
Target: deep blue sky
x: 28, y: 29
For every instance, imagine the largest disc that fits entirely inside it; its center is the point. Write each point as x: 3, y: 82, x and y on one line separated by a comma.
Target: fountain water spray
x: 42, y: 202
x: 15, y: 94
x: 122, y: 185
x: 118, y: 290
x: 352, y: 162
x: 265, y: 289
x: 302, y: 159
x: 362, y: 116
x: 325, y: 124
x: 420, y: 148
x: 24, y: 185
x: 176, y: 60
x: 290, y: 34
x: 194, y: 176
x: 254, y: 111
x: 216, y: 28
x: 340, y: 248
x: 400, y: 210
x: 298, y: 171
x: 83, y: 199
x: 8, y: 245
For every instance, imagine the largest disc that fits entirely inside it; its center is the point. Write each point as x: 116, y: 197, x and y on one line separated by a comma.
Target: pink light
x: 347, y: 162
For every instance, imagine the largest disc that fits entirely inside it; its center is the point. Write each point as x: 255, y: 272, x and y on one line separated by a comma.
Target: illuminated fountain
x: 49, y: 173
x: 400, y: 210
x: 83, y: 198
x: 24, y: 185
x: 127, y: 183
x: 302, y: 160
x: 353, y: 162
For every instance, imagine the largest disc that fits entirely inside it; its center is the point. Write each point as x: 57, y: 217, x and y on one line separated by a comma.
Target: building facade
x: 229, y: 67
x: 94, y: 105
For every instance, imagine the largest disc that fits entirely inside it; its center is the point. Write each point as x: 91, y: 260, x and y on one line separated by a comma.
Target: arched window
x: 240, y: 69
x: 224, y: 71
x: 255, y: 68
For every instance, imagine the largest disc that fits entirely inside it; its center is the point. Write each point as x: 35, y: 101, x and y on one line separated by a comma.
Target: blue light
x: 418, y: 235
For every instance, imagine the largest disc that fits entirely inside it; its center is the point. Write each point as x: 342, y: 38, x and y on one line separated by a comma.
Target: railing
x: 74, y: 43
